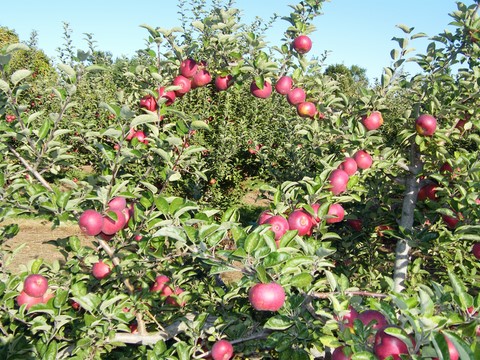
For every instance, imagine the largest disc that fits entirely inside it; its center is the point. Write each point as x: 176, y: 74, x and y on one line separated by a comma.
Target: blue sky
x: 355, y: 32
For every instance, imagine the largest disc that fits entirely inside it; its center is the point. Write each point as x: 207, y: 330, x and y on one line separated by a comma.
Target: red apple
x: 349, y: 165
x: 375, y: 317
x: 339, y: 353
x: 188, y: 68
x: 222, y: 83
x: 446, y: 167
x: 130, y: 134
x: 355, y: 224
x: 388, y: 345
x: 100, y: 270
x: 117, y: 203
x: 284, y: 85
x: 91, y: 222
x: 261, y: 93
x: 338, y: 180
x: 349, y: 317
x: 427, y: 192
x: 363, y: 159
x: 160, y: 284
x: 201, y: 78
x: 148, y: 102
x: 10, y: 118
x: 267, y: 296
x: 335, y: 210
x: 306, y: 109
x: 296, y: 96
x: 264, y: 216
x: 372, y: 121
x: 279, y: 225
x: 115, y: 223
x: 184, y: 83
x: 426, y: 125
x: 302, y: 44
x: 171, y: 300
x: 301, y: 221
x: 476, y: 250
x: 140, y: 136
x: 35, y: 285
x: 452, y: 350
x: 222, y: 350
x: 315, y: 219
x: 29, y: 301
x: 169, y: 95
x: 450, y: 221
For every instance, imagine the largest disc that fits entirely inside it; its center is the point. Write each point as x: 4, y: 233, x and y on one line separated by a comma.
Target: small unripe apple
x: 267, y: 296
x: 426, y: 125
x: 222, y: 350
x: 302, y: 44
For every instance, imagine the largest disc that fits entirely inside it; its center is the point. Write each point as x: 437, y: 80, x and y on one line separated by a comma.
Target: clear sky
x: 356, y: 32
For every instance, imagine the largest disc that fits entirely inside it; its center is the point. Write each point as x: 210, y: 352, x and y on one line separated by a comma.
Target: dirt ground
x: 35, y: 236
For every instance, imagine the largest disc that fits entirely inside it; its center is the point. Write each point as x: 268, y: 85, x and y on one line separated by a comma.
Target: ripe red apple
x: 301, y: 221
x: 446, y: 167
x: 261, y: 93
x: 452, y: 350
x: 296, y: 96
x: 222, y: 350
x: 279, y: 225
x: 140, y: 136
x: 201, y: 78
x: 315, y: 219
x: 130, y: 134
x: 91, y: 222
x: 29, y: 301
x: 373, y: 316
x: 372, y: 121
x: 100, y: 270
x: 160, y: 283
x: 169, y: 95
x: 388, y: 345
x: 222, y: 83
x: 363, y: 159
x: 184, y: 83
x: 188, y: 68
x: 170, y: 300
x: 306, y: 109
x: 35, y: 285
x: 349, y: 317
x: 117, y: 203
x: 284, y: 85
x: 338, y: 180
x: 426, y: 125
x: 349, y: 165
x: 450, y: 221
x: 427, y: 191
x: 115, y: 223
x: 264, y: 216
x: 267, y: 296
x: 476, y: 250
x: 148, y: 102
x: 355, y: 224
x: 337, y: 211
x: 10, y: 118
x: 302, y: 44
x: 339, y: 354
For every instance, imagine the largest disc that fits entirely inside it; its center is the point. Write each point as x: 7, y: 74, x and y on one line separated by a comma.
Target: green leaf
x: 93, y: 68
x: 44, y: 129
x: 302, y: 280
x: 52, y: 351
x: 4, y: 86
x: 171, y: 232
x: 278, y: 322
x: 465, y: 299
x: 199, y: 125
x: 251, y: 242
x: 67, y: 70
x: 143, y: 119
x: 275, y: 258
x: 19, y: 75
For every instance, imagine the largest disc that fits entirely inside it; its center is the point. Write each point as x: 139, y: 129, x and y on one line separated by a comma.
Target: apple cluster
x: 161, y: 285
x: 35, y: 291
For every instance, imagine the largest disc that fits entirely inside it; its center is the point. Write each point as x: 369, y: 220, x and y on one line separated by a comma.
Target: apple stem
x: 406, y: 222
